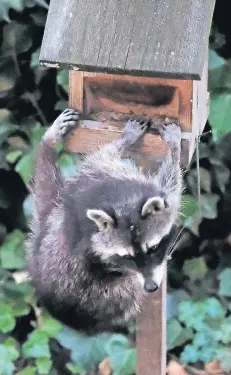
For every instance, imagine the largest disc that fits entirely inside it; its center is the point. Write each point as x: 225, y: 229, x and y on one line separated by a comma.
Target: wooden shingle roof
x: 167, y: 38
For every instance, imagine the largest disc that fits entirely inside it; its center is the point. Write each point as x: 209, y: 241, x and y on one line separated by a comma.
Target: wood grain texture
x: 149, y: 37
x: 178, y: 107
x: 151, y: 334
x: 84, y: 140
x: 110, y: 116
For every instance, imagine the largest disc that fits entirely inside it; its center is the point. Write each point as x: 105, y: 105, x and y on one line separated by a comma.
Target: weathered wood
x: 132, y: 95
x: 109, y: 103
x: 200, y: 107
x: 151, y: 334
x: 149, y: 37
x: 89, y: 139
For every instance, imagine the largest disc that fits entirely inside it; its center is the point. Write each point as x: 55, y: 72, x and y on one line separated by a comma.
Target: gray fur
x: 89, y: 248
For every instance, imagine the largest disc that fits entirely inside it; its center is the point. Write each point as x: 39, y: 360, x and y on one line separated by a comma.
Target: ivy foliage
x: 199, y: 298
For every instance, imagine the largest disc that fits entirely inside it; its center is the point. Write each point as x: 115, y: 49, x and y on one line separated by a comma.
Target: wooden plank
x: 200, y: 107
x: 110, y: 115
x: 87, y: 139
x: 151, y: 334
x: 152, y: 37
x: 157, y: 97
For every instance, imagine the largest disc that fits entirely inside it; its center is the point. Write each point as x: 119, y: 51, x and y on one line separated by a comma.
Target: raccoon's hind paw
x: 171, y: 134
x: 65, y: 122
x: 135, y: 129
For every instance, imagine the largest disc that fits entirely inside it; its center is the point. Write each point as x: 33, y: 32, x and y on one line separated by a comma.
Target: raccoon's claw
x: 65, y: 122
x: 170, y: 133
x: 135, y: 128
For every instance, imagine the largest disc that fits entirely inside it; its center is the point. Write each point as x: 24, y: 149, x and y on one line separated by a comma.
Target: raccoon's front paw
x: 171, y: 134
x: 67, y: 121
x: 135, y: 129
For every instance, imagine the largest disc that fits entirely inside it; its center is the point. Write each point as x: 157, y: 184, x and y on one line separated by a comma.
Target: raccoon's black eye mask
x: 166, y: 242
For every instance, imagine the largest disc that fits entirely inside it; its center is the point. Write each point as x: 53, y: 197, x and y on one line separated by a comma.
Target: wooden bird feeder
x: 134, y: 57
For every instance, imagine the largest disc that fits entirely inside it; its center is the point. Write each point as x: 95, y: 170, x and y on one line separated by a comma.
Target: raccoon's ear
x: 101, y: 219
x: 153, y: 205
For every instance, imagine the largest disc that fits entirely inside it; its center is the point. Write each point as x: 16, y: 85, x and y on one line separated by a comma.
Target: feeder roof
x: 165, y: 38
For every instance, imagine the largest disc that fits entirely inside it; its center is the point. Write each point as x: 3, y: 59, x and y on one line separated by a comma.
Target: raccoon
x: 99, y: 241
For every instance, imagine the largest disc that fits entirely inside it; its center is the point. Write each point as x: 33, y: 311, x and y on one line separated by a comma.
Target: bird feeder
x: 134, y: 57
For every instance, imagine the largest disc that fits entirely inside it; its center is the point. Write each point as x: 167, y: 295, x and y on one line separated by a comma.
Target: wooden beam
x: 151, y: 334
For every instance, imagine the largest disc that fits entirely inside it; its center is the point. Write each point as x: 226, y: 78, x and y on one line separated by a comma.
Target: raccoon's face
x: 137, y: 243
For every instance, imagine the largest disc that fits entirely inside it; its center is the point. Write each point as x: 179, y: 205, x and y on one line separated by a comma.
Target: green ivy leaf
x: 16, y: 39
x: 203, y: 339
x: 61, y: 105
x: 87, y: 351
x: 205, y: 180
x: 121, y: 356
x: 215, y: 61
x: 7, y: 125
x: 28, y: 208
x: 225, y: 329
x: 190, y: 354
x: 123, y: 362
x: 7, y: 320
x: 12, y: 252
x: 220, y: 114
x: 25, y: 167
x: 190, y: 216
x: 189, y: 205
x: 192, y: 314
x: 31, y: 3
x: 195, y: 268
x: 8, y: 76
x: 11, y: 345
x: 116, y: 342
x: 216, y: 70
x: 174, y: 329
x: 207, y: 354
x: 43, y: 365
x: 173, y: 300
x: 219, y: 73
x: 225, y: 282
x: 29, y: 370
x: 222, y: 175
x: 223, y: 355
x: 35, y: 59
x: 5, y: 6
x: 8, y: 354
x: 76, y: 368
x: 37, y: 345
x: 20, y: 308
x: 36, y: 133
x: 50, y: 327
x: 209, y: 205
x: 62, y: 79
x: 20, y: 291
x: 214, y: 308
x: 12, y: 156
x: 67, y: 165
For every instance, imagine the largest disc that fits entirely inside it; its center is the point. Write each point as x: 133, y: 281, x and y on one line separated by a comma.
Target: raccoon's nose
x: 150, y: 286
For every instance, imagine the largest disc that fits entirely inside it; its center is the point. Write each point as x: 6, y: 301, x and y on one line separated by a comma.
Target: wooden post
x: 106, y: 100
x: 151, y: 334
